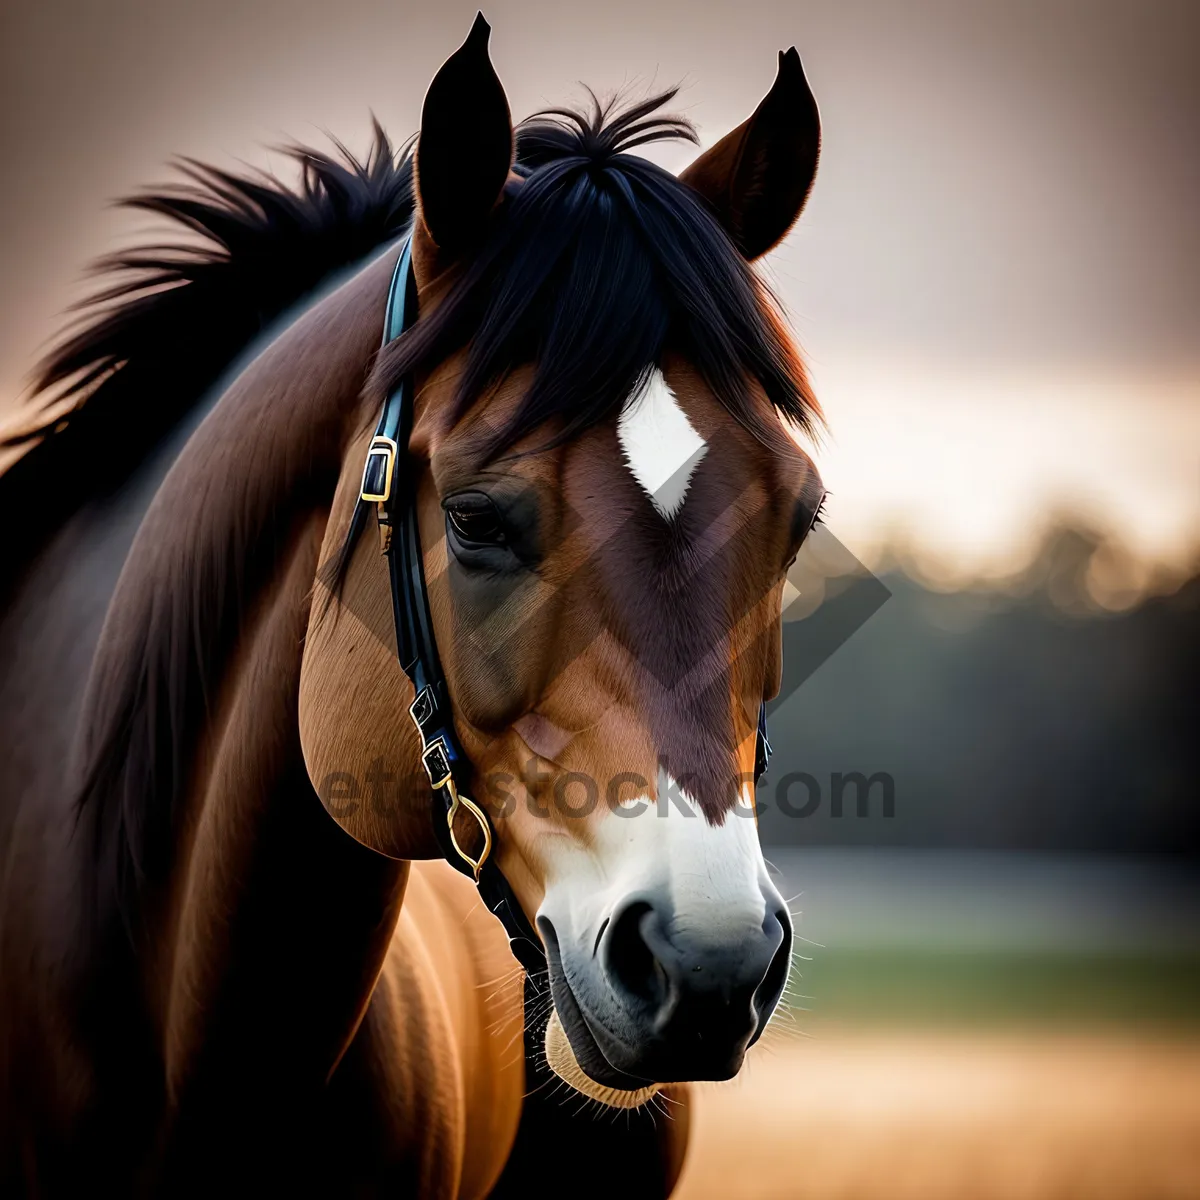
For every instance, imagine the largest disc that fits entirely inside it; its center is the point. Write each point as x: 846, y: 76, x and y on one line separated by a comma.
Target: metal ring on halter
x: 436, y: 759
x: 476, y: 864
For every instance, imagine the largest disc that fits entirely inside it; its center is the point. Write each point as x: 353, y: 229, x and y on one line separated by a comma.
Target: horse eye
x: 476, y: 522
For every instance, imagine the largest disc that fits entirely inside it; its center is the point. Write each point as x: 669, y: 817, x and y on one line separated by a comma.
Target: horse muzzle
x: 659, y: 999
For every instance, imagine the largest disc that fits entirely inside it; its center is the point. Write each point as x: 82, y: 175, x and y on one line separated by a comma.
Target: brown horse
x: 205, y: 981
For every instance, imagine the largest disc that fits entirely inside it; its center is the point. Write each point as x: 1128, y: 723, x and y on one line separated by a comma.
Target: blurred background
x: 995, y: 286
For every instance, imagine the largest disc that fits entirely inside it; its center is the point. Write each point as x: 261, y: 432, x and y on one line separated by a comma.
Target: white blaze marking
x: 711, y: 874
x: 660, y: 445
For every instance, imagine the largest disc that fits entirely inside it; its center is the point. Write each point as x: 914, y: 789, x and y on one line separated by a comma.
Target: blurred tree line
x: 1016, y: 715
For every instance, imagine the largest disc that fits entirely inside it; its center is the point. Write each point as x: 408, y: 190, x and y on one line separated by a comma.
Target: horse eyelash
x: 819, y: 516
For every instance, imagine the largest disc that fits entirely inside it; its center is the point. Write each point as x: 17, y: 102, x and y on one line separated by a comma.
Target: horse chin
x: 562, y: 1061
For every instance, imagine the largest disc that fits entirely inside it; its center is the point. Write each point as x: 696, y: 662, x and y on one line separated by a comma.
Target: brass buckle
x: 384, y: 448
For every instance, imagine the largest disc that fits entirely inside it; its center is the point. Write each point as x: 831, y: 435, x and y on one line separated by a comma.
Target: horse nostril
x: 632, y: 965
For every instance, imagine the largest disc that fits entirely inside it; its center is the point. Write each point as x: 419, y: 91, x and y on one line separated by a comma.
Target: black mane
x: 151, y: 344
x: 597, y: 262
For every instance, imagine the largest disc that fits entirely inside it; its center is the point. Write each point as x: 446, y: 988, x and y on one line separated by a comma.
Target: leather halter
x: 441, y: 754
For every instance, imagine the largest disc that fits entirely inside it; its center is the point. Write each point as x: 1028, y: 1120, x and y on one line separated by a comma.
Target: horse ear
x: 465, y: 148
x: 757, y: 178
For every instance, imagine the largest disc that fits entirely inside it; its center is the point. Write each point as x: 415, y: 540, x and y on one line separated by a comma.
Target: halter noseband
x: 442, y: 756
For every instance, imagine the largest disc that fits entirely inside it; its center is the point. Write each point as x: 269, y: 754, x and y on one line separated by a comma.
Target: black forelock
x: 596, y: 263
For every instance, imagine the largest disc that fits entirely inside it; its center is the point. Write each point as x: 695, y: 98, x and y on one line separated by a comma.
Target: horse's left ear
x: 465, y: 148
x: 757, y: 178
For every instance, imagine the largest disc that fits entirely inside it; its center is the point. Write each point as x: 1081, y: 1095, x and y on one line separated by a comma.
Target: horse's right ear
x: 756, y: 179
x: 465, y: 148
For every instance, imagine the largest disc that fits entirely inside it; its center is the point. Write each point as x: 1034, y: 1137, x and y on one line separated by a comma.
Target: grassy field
x: 1048, y: 988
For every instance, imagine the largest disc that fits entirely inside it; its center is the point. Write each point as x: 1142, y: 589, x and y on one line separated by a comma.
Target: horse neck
x: 212, y: 846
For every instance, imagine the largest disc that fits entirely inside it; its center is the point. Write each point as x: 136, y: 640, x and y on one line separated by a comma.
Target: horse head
x: 608, y: 493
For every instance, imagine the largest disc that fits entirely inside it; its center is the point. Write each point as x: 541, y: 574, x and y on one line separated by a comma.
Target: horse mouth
x: 572, y: 1051
x: 560, y: 1057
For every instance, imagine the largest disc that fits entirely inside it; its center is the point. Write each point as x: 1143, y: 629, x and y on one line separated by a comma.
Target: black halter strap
x: 445, y: 764
x: 443, y: 758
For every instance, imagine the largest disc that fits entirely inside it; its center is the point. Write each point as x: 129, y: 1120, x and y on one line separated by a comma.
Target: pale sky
x: 994, y: 282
